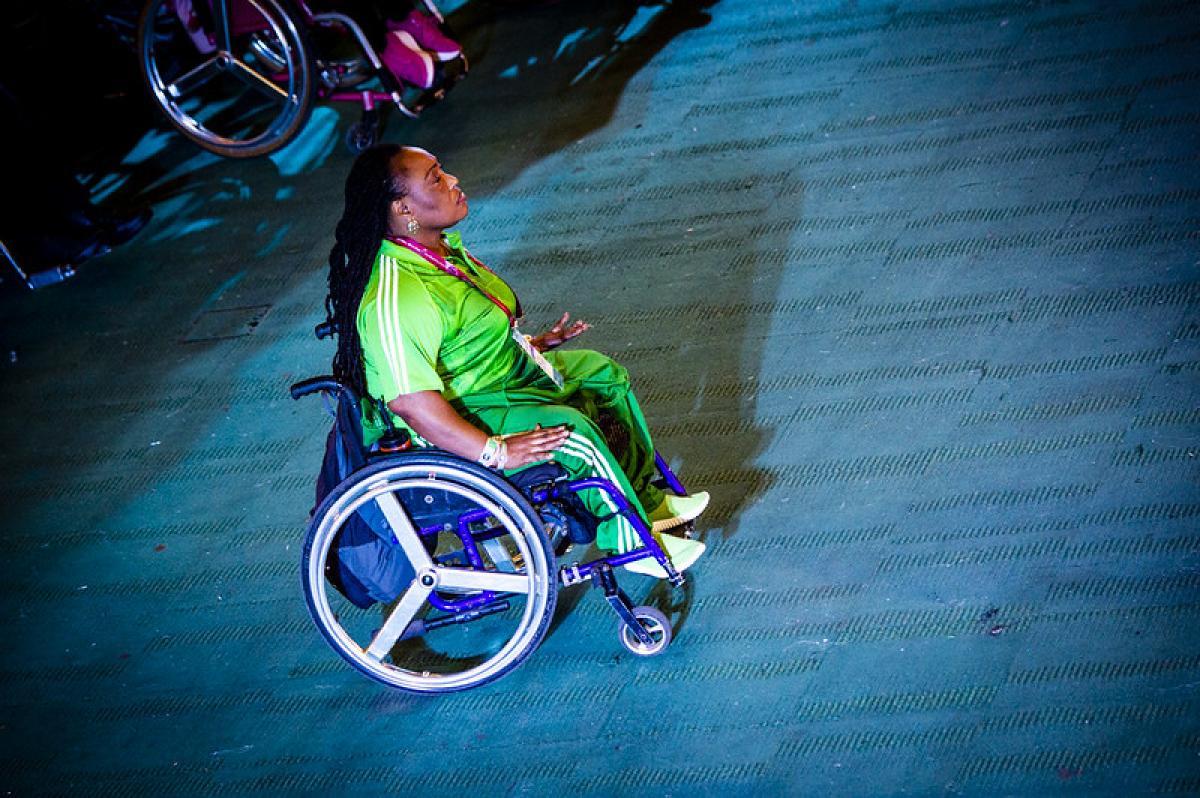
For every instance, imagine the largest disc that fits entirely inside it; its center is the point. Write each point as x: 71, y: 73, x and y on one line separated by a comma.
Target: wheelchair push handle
x: 323, y: 383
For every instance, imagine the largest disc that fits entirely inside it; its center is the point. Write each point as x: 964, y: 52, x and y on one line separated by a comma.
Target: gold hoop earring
x: 413, y: 226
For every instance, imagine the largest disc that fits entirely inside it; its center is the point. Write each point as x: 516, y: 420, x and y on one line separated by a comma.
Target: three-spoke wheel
x: 482, y: 589
x: 238, y: 81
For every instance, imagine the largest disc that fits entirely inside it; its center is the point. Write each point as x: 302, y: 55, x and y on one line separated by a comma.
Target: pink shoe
x: 428, y: 35
x: 406, y: 60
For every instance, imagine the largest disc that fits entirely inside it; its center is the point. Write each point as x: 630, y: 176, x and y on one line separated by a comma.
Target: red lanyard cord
x: 452, y: 270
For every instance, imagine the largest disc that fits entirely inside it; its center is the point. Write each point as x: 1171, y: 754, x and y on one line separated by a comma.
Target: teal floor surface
x: 912, y: 288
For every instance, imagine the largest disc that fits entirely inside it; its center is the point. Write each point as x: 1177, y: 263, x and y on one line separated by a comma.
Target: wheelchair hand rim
x: 295, y: 105
x: 538, y: 564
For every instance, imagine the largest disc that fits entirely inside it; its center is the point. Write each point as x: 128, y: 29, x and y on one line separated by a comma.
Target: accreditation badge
x: 538, y: 357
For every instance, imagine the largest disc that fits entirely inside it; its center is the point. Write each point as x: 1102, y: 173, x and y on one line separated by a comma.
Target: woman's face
x: 434, y: 198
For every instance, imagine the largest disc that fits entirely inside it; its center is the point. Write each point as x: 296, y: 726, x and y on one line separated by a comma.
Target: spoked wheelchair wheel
x: 481, y: 591
x: 239, y: 90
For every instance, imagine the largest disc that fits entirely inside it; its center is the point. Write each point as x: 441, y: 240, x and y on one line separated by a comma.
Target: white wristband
x: 492, y: 453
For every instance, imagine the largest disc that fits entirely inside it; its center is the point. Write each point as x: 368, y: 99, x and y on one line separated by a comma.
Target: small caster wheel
x: 363, y: 134
x: 656, y: 624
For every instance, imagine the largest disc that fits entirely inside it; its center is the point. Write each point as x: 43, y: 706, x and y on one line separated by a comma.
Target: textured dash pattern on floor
x: 913, y: 289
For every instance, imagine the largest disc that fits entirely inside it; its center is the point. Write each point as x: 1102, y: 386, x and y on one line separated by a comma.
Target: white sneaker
x: 678, y: 510
x: 683, y: 554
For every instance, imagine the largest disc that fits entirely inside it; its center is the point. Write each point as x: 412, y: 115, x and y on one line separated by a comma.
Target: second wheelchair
x: 240, y: 77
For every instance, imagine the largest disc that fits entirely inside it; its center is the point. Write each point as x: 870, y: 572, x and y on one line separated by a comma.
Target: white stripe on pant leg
x: 585, y: 450
x: 592, y: 455
x: 626, y: 535
x: 590, y: 458
x: 589, y: 455
x: 601, y: 462
x: 624, y: 526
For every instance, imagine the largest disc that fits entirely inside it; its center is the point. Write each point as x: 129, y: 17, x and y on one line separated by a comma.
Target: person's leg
x: 425, y: 31
x: 585, y: 454
x: 604, y: 387
x: 604, y: 392
x: 398, y: 51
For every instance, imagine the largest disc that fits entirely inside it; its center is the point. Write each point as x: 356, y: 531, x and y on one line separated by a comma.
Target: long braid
x: 370, y: 188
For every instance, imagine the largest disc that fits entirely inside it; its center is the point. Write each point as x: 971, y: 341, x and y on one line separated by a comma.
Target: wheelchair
x: 463, y: 560
x: 245, y: 81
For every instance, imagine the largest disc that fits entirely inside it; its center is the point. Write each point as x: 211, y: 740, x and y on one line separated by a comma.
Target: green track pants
x: 595, y: 395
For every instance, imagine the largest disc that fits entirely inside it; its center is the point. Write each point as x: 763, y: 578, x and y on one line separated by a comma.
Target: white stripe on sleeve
x: 389, y: 323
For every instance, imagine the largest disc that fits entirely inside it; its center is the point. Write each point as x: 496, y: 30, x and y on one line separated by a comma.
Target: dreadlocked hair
x: 370, y: 188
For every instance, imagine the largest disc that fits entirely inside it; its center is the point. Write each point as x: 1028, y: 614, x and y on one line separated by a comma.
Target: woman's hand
x: 537, y: 444
x: 432, y: 417
x: 559, y: 334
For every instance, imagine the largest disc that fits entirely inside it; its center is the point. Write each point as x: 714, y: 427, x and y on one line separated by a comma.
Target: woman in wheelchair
x: 431, y: 333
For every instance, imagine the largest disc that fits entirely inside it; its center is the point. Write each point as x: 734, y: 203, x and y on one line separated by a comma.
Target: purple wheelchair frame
x: 226, y: 12
x: 599, y: 571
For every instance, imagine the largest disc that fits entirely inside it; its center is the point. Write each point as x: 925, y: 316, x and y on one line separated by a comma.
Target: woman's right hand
x: 432, y: 417
x: 533, y: 446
